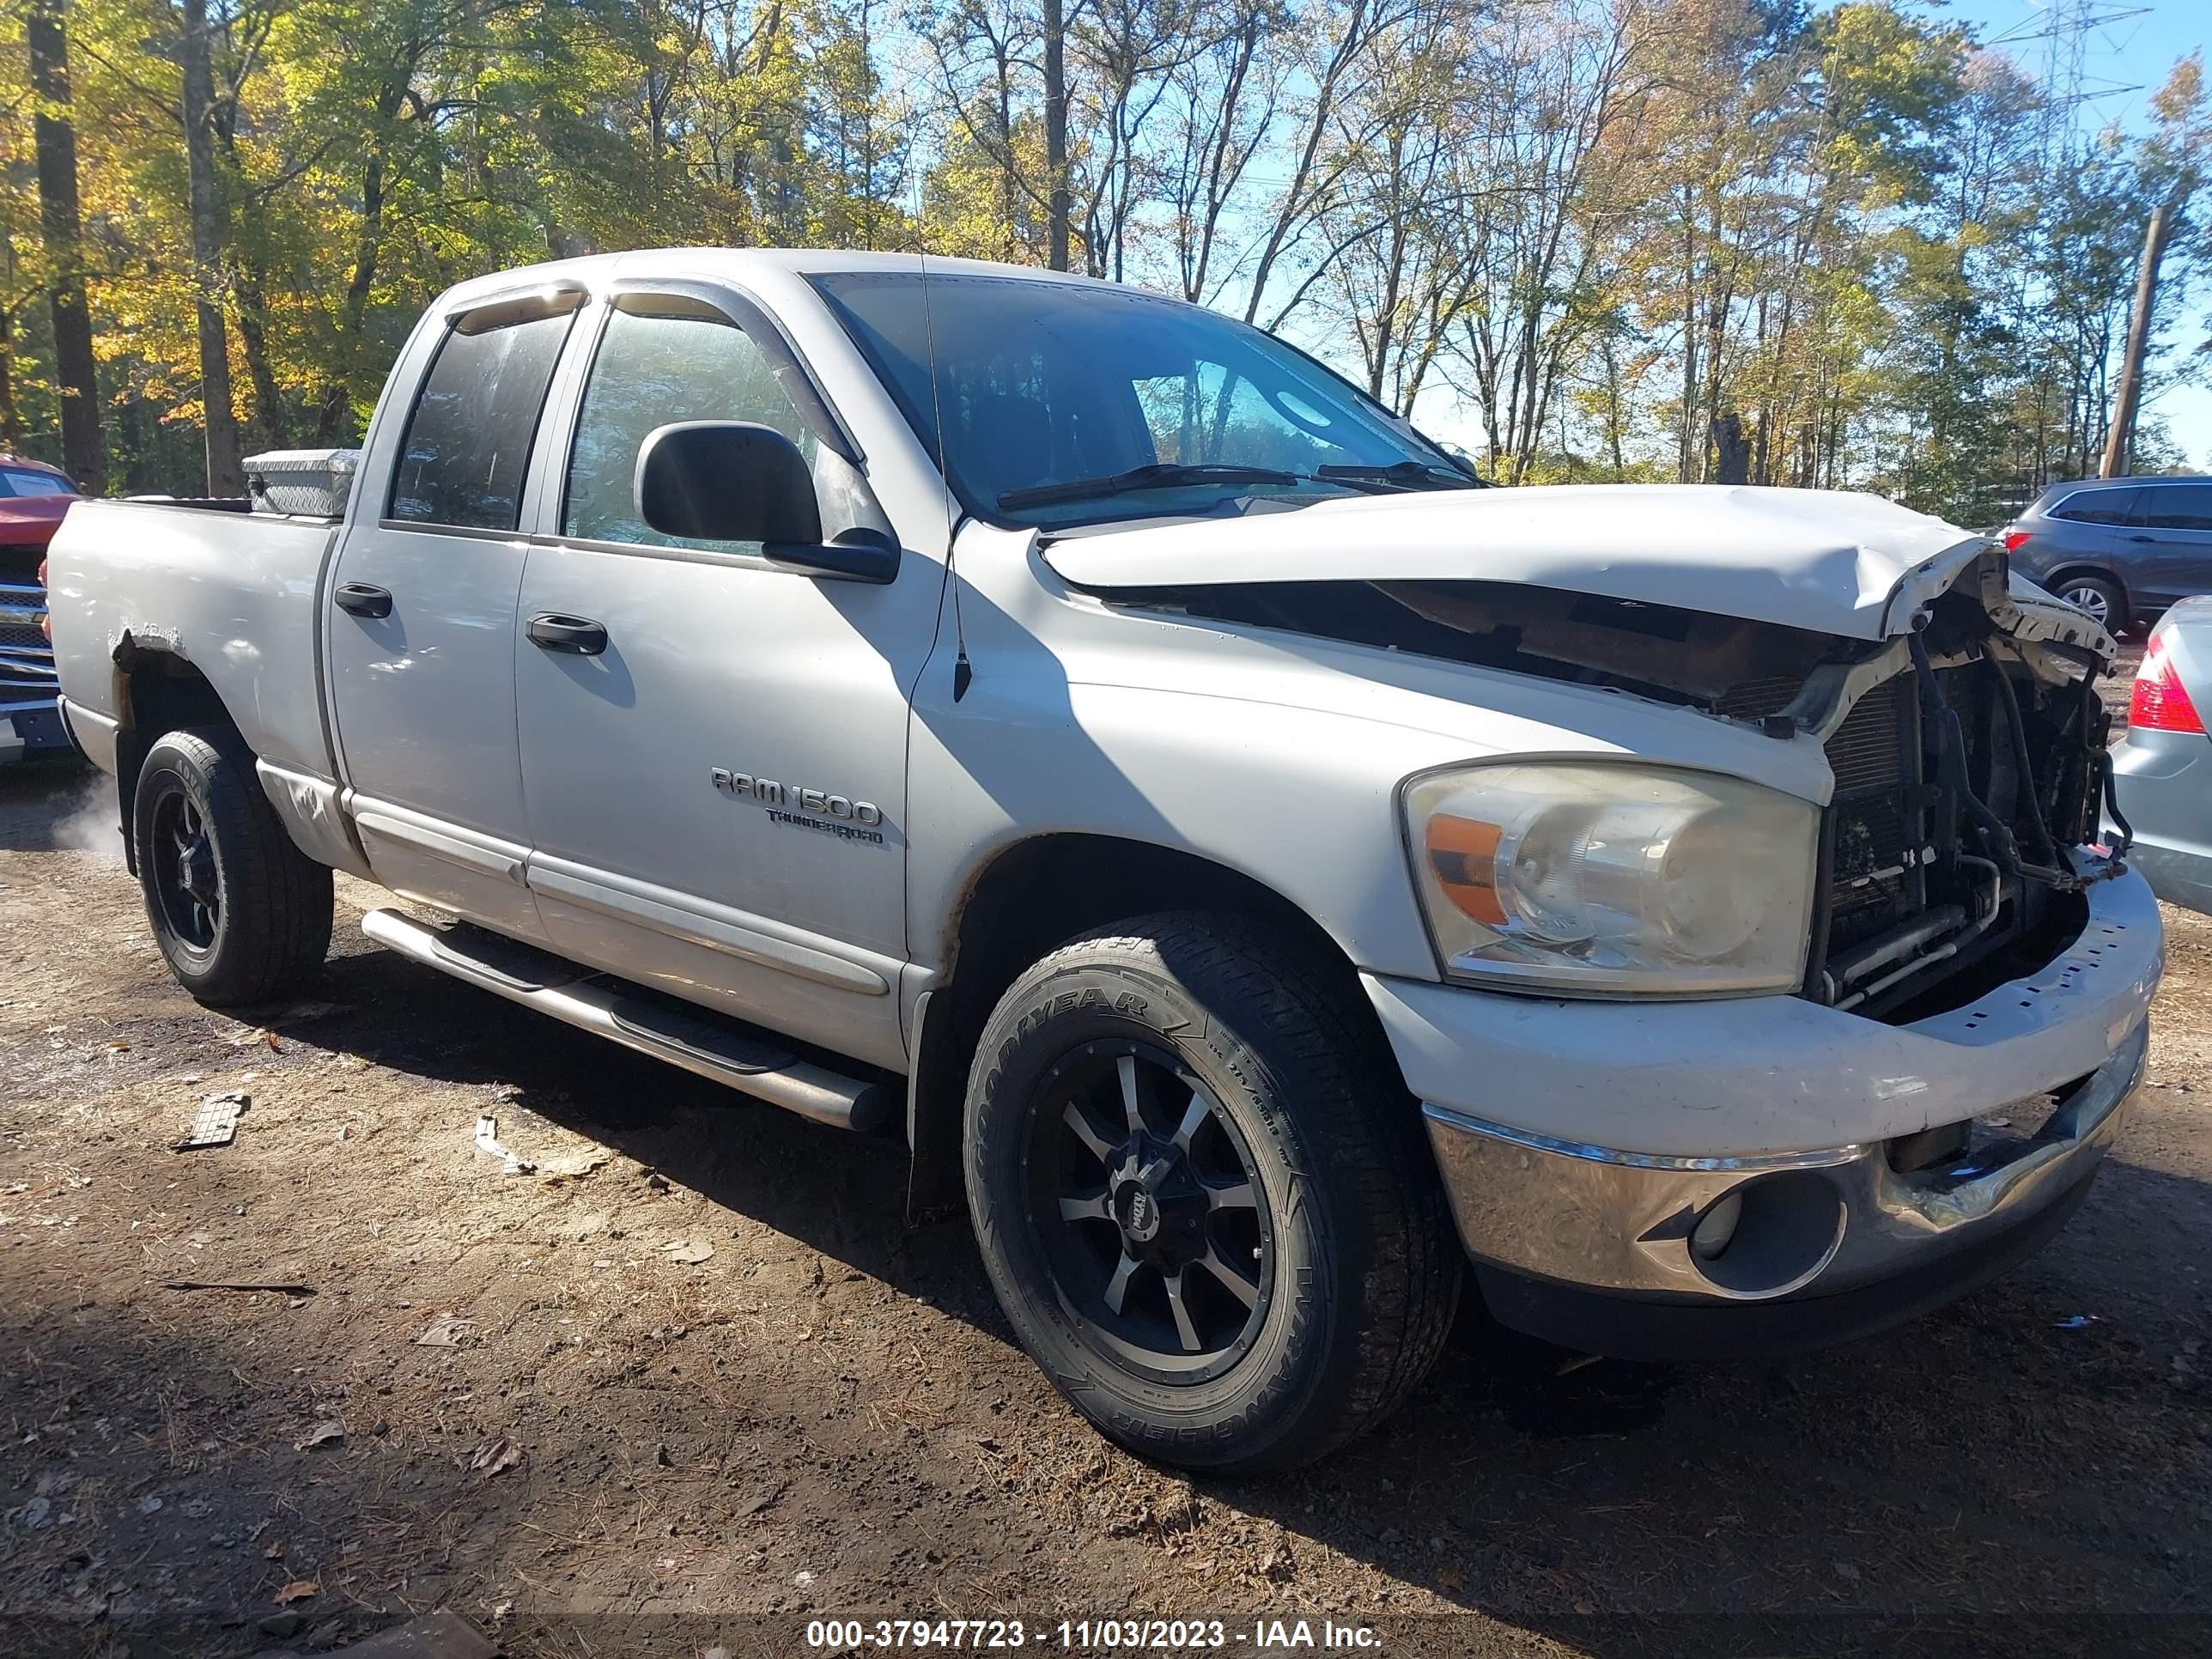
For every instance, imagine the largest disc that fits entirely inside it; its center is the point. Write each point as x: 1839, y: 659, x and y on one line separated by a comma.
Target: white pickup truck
x: 1085, y: 738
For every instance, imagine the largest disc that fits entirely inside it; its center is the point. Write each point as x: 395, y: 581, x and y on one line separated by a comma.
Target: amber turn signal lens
x: 1463, y: 852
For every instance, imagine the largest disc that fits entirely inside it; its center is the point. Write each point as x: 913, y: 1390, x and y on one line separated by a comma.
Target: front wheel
x: 1203, y: 1195
x: 241, y: 912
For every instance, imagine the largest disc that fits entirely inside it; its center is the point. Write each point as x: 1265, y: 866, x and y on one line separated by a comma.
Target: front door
x: 422, y: 630
x: 717, y: 780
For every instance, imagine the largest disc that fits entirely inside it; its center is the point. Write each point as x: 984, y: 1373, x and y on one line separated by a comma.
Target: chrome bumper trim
x: 1621, y: 1221
x: 1817, y: 1159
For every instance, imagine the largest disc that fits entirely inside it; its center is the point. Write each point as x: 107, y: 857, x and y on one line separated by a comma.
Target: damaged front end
x: 1969, y: 751
x: 1971, y: 764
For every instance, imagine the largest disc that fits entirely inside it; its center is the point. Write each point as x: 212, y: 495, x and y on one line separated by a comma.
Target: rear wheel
x: 2100, y: 597
x: 240, y: 912
x: 1203, y: 1195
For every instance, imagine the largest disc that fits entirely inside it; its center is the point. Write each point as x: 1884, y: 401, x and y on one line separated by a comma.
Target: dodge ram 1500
x: 1260, y: 869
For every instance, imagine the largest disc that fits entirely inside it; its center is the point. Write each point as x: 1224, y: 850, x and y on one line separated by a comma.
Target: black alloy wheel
x: 1144, y: 1197
x: 184, y: 882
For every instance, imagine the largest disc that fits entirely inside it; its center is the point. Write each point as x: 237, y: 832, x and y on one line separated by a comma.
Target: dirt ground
x: 692, y: 1382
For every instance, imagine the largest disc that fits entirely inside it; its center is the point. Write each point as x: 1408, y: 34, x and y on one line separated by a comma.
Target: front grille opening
x: 2061, y: 922
x: 1923, y: 907
x: 1876, y: 826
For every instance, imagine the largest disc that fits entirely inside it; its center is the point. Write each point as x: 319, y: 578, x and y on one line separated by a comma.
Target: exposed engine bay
x: 1970, y: 755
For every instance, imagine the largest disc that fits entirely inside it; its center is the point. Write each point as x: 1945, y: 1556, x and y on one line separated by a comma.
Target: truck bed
x: 233, y: 594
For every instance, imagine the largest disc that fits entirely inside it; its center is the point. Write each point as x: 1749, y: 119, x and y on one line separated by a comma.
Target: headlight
x: 1612, y: 880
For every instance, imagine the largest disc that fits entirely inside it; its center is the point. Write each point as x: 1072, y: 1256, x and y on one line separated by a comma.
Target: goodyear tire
x: 1203, y: 1194
x: 241, y: 912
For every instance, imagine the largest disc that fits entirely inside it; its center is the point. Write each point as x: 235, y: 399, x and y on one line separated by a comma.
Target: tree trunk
x: 61, y: 226
x: 1731, y: 450
x: 219, y: 416
x: 1686, y: 421
x: 2120, y: 443
x: 131, y: 440
x: 11, y: 418
x: 335, y: 413
x: 1351, y: 42
x: 1059, y: 203
x: 273, y: 427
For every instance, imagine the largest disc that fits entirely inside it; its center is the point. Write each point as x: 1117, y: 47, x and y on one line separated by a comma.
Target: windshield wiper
x: 1160, y: 474
x: 1406, y: 474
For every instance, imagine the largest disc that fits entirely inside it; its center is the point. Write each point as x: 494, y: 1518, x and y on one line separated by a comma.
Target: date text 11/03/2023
x: 1090, y: 1635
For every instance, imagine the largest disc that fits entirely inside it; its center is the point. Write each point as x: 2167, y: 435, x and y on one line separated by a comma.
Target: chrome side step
x: 702, y: 1042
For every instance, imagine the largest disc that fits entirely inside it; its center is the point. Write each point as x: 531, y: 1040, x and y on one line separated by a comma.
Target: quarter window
x: 2174, y: 507
x: 652, y: 371
x: 467, y: 447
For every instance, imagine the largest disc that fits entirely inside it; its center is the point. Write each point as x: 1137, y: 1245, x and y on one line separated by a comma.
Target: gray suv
x: 2121, y: 549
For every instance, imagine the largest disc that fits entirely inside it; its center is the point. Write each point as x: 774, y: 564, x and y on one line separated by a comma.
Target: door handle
x: 364, y: 599
x: 580, y: 635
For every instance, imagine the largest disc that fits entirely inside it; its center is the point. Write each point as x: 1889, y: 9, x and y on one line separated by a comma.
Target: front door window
x: 651, y: 372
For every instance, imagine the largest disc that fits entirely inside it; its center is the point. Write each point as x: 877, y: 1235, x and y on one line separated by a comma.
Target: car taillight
x: 2013, y: 538
x: 2160, y: 701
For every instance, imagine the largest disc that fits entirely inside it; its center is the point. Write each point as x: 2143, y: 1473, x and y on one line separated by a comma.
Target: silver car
x: 2121, y: 549
x: 2163, y: 772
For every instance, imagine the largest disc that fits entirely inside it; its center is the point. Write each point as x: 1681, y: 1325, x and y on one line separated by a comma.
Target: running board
x: 702, y: 1042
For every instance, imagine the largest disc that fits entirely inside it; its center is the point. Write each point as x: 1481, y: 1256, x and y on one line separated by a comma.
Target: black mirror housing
x: 859, y: 555
x: 727, y: 481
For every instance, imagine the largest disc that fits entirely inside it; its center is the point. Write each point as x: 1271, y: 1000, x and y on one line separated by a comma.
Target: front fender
x: 1274, y: 753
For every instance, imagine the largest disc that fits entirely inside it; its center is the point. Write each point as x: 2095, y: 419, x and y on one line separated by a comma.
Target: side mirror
x: 727, y: 481
x: 738, y: 480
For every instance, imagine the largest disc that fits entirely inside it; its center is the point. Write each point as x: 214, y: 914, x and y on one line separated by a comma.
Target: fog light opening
x: 1771, y: 1235
x: 1717, y: 1227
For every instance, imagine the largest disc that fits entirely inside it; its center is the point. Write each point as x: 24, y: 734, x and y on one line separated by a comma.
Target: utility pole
x: 2120, y: 439
x: 1059, y: 204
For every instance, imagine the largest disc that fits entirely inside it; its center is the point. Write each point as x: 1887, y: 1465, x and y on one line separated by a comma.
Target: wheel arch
x: 1034, y: 896
x: 159, y: 689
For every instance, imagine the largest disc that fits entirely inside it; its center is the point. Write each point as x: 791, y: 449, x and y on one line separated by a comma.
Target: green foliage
x: 1636, y: 238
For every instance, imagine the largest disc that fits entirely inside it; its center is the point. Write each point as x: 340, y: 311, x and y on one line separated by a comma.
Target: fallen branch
x: 205, y: 1285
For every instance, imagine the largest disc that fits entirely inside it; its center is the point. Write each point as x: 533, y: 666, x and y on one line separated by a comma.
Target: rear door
x: 421, y: 632
x: 2171, y: 529
x: 717, y: 785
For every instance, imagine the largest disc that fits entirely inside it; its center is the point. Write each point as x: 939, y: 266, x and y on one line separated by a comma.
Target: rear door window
x: 2174, y: 507
x: 467, y: 447
x: 2097, y: 506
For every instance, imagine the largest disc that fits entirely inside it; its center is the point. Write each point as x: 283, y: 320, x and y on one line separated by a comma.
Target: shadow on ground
x: 1997, y: 1478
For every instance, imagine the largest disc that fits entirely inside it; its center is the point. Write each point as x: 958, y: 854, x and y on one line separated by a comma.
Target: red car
x: 33, y: 497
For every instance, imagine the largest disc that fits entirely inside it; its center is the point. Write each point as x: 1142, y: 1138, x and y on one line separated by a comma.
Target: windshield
x: 1054, y: 393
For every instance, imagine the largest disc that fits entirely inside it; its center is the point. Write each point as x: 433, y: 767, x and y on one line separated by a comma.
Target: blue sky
x: 2125, y: 61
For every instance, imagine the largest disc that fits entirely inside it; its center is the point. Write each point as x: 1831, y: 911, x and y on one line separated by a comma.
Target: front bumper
x: 30, y: 725
x: 1583, y: 1143
x: 29, y: 719
x: 1817, y: 1232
